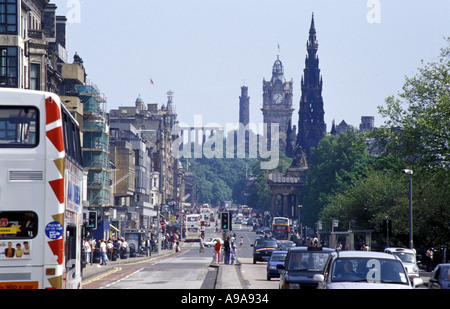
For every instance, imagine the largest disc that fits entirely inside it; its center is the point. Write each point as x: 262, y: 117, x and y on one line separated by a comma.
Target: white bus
x: 193, y: 231
x: 205, y: 214
x: 41, y: 182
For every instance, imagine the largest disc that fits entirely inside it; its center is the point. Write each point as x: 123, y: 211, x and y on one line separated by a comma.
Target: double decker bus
x: 193, y: 231
x: 205, y: 214
x: 41, y: 185
x: 280, y: 228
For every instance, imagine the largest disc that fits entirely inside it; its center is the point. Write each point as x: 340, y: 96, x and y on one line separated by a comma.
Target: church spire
x: 312, y: 44
x: 311, y: 125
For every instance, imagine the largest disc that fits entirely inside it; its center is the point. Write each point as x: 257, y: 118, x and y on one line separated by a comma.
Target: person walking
x: 103, y: 251
x: 233, y: 254
x: 429, y: 258
x: 148, y: 246
x: 202, y: 244
x: 217, y: 248
x: 109, y: 249
x: 227, y: 249
x: 87, y: 250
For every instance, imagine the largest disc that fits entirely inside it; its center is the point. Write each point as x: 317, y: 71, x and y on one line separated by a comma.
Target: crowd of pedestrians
x: 225, y: 249
x: 105, y: 250
x: 101, y: 251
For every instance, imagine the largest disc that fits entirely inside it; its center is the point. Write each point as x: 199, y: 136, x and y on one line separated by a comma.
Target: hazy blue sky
x: 205, y: 50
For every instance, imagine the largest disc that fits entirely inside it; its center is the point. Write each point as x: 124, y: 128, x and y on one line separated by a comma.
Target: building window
x: 34, y: 77
x: 8, y: 16
x: 8, y: 67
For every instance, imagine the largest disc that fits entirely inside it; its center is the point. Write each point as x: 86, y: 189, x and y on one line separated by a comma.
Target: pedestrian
x: 217, y: 248
x: 148, y: 246
x: 233, y: 254
x: 177, y: 246
x: 227, y: 249
x: 124, y: 249
x: 116, y: 247
x: 93, y: 243
x: 103, y: 251
x: 429, y: 257
x: 202, y: 244
x: 241, y: 242
x: 87, y: 250
x: 109, y: 249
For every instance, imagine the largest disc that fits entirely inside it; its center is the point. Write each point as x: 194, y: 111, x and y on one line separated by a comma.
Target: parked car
x: 440, y: 278
x: 263, y: 248
x: 364, y: 270
x: 300, y: 266
x: 408, y: 257
x: 277, y: 258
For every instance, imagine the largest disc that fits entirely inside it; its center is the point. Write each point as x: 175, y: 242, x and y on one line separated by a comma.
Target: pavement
x: 220, y: 276
x: 95, y: 270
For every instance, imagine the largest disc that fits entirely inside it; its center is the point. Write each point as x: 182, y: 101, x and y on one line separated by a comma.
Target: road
x: 191, y: 269
x: 188, y: 269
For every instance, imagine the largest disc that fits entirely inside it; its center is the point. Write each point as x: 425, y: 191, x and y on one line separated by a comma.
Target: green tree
x: 259, y: 191
x: 418, y: 120
x: 415, y: 136
x: 332, y: 165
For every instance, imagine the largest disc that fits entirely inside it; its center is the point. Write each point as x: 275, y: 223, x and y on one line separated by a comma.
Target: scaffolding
x: 95, y: 145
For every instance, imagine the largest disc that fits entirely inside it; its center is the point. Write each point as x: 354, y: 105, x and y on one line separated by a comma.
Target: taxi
x: 408, y: 257
x: 301, y: 264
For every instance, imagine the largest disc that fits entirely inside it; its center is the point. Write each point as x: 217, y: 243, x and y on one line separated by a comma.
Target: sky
x: 205, y: 50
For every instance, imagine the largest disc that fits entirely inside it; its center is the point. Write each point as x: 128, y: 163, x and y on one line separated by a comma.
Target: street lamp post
x: 410, y: 172
x: 299, y: 220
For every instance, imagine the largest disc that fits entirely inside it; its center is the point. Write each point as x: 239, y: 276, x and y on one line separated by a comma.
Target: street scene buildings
x: 133, y: 178
x: 133, y: 181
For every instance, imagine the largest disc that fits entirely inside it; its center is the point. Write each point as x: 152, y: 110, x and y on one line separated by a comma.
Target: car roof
x: 365, y: 254
x: 311, y: 249
x: 280, y: 251
x: 398, y: 249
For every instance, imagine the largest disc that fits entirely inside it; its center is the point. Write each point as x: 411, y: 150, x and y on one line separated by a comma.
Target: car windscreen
x: 307, y: 261
x: 372, y: 270
x: 265, y: 243
x: 405, y: 257
x: 278, y: 257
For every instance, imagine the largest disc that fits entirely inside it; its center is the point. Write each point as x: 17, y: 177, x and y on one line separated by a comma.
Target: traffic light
x: 226, y: 221
x: 92, y: 220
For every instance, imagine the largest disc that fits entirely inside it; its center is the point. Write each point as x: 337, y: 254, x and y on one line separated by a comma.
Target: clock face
x: 277, y: 98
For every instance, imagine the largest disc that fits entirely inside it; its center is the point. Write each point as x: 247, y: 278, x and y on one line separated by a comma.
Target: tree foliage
x: 333, y: 164
x: 415, y: 136
x: 220, y: 179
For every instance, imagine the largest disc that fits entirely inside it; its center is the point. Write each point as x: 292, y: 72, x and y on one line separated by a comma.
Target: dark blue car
x: 277, y: 258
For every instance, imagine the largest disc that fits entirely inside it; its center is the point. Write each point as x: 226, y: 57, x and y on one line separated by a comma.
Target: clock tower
x: 277, y: 103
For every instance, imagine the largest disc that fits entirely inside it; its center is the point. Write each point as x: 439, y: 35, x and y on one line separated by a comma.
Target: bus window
x: 18, y: 126
x: 18, y: 224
